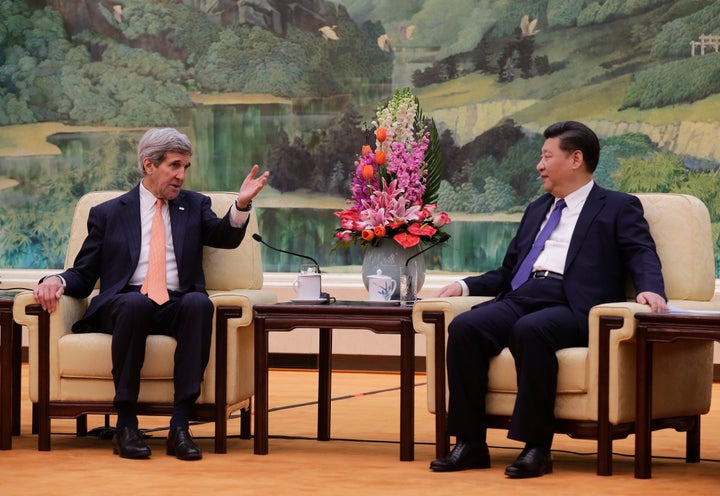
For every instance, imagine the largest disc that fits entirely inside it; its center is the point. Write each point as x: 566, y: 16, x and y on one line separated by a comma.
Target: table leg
x: 324, y: 383
x: 643, y: 410
x: 261, y: 387
x: 407, y: 391
x: 6, y: 380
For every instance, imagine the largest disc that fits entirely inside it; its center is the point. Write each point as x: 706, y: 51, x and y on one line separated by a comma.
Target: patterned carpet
x: 362, y: 458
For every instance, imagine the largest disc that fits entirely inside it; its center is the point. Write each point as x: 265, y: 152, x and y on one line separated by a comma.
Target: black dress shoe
x: 465, y: 455
x: 532, y: 462
x: 180, y: 444
x: 128, y: 443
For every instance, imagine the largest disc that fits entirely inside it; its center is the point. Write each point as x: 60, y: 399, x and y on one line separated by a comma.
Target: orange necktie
x: 155, y: 285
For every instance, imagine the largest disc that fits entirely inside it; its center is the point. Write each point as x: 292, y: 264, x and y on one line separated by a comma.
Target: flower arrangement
x: 395, y: 186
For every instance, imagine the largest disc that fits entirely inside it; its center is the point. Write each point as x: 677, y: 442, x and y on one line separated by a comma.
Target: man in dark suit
x: 601, y: 238
x: 119, y: 250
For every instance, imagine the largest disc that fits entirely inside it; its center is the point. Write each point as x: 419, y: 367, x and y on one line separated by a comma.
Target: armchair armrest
x: 429, y: 314
x: 27, y: 312
x: 451, y: 307
x: 69, y: 311
x: 245, y: 299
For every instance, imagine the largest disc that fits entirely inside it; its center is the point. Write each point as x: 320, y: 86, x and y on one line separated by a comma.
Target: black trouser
x: 130, y: 317
x: 534, y: 322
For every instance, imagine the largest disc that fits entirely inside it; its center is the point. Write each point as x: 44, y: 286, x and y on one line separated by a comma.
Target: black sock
x: 127, y: 417
x: 181, y: 416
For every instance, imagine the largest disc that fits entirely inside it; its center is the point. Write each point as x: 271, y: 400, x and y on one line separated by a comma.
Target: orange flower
x: 406, y: 240
x: 380, y: 231
x: 381, y: 134
x: 367, y: 172
x: 366, y: 150
x: 367, y: 234
x: 379, y: 157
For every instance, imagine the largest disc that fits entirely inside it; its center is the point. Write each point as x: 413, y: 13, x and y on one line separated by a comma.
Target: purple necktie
x: 526, y: 266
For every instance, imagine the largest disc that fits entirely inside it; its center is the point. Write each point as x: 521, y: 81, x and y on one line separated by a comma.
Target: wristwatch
x: 246, y: 209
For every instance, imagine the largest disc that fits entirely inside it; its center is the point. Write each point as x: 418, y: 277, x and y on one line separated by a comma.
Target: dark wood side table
x: 380, y: 319
x: 10, y: 358
x: 663, y: 328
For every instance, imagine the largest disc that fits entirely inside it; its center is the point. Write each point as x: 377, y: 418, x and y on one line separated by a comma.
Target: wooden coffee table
x: 378, y: 318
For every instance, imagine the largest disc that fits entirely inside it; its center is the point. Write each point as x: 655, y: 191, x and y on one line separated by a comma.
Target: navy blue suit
x: 110, y: 253
x: 611, y: 243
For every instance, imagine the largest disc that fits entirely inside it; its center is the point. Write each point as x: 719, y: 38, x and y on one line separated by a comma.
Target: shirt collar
x: 147, y: 199
x: 577, y: 198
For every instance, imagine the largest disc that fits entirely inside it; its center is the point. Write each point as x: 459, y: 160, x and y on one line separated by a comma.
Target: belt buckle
x: 542, y: 274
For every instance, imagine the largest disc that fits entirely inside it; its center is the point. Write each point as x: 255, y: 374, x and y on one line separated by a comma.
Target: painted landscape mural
x: 294, y: 85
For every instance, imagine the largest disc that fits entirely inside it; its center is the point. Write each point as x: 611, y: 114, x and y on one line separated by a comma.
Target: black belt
x: 546, y: 274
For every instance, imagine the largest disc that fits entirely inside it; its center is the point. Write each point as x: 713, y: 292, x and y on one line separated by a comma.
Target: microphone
x: 259, y: 239
x: 442, y: 239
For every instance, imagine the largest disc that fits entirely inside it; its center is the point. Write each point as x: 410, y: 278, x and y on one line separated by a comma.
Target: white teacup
x: 307, y: 286
x: 380, y: 287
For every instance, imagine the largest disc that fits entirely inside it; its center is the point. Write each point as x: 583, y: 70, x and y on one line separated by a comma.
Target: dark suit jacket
x: 611, y: 241
x: 112, y: 247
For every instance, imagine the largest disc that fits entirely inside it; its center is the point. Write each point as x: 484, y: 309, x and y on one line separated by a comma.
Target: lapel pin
x: 181, y: 208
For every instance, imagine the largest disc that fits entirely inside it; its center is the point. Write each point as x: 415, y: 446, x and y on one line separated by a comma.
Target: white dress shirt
x: 555, y: 252
x: 147, y: 212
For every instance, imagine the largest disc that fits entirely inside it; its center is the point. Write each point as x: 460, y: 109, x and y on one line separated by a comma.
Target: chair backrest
x: 240, y: 268
x: 681, y: 228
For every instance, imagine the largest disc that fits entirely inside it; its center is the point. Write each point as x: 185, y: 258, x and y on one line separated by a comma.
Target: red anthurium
x: 421, y: 229
x: 407, y: 240
x: 350, y: 213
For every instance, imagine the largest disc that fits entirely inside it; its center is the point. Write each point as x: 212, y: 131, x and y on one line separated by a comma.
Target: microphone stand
x: 442, y: 239
x: 408, y: 282
x: 259, y: 239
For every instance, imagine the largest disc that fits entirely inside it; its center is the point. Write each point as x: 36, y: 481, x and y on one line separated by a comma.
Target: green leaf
x: 433, y: 166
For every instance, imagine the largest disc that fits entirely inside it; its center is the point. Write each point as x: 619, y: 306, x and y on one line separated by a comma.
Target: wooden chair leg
x: 221, y: 435
x: 245, y: 423
x: 692, y: 442
x: 34, y: 428
x: 81, y: 425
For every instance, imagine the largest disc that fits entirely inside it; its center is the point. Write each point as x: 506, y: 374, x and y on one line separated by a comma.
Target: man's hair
x: 157, y: 142
x: 576, y: 136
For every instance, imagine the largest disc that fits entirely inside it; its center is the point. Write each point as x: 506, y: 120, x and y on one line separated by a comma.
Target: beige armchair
x: 596, y: 385
x: 70, y: 374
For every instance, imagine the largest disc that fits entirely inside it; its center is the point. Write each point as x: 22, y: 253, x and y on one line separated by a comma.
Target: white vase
x: 390, y: 257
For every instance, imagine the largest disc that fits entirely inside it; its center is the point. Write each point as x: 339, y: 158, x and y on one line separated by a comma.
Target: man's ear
x: 148, y: 165
x: 577, y: 158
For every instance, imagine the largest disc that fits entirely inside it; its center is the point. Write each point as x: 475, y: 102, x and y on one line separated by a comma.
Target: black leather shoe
x: 180, y: 444
x: 464, y: 456
x: 532, y: 462
x: 128, y: 443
